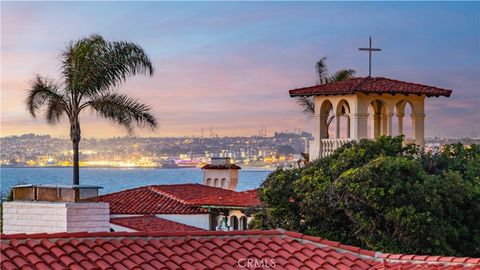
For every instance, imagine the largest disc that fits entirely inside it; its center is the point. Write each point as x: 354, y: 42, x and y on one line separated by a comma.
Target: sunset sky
x: 229, y: 66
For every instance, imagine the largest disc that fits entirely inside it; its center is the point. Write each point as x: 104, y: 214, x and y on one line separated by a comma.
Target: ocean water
x: 116, y: 179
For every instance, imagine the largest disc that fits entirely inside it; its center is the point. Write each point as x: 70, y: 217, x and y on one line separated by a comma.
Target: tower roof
x: 370, y: 85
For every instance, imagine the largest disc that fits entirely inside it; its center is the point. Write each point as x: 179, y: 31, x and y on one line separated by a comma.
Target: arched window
x: 404, y: 110
x: 342, y: 120
x: 216, y: 182
x: 209, y: 181
x: 224, y: 183
x: 326, y: 118
x: 243, y: 223
x: 234, y: 223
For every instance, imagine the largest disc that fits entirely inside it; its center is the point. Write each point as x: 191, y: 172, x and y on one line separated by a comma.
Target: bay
x: 117, y: 179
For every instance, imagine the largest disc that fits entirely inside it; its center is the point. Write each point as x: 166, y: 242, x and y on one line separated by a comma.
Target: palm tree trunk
x: 76, y: 164
x: 75, y: 137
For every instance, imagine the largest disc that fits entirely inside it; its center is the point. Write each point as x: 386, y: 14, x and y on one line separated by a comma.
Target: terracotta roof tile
x: 238, y: 199
x: 172, y: 199
x: 152, y: 224
x: 203, y: 250
x: 145, y: 200
x: 370, y: 85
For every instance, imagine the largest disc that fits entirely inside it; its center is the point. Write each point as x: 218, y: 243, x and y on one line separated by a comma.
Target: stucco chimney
x: 53, y: 208
x: 221, y: 172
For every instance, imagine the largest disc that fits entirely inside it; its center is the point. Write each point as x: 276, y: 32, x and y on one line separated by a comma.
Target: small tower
x: 365, y: 103
x: 221, y: 173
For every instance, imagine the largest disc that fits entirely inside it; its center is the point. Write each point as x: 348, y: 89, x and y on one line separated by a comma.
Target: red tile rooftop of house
x: 164, y: 199
x: 241, y: 199
x: 203, y: 250
x: 370, y: 85
x: 152, y: 224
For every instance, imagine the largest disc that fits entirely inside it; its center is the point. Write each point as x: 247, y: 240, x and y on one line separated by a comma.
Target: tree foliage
x: 307, y: 102
x: 382, y: 195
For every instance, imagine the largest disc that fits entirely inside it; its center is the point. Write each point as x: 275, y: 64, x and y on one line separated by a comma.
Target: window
x: 234, y: 223
x: 243, y: 223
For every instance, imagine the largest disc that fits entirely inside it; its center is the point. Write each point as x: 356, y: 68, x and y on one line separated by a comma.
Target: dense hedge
x: 382, y: 195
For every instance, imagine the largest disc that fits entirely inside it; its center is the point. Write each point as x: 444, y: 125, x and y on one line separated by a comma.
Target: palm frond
x: 54, y: 111
x: 322, y: 71
x: 308, y: 105
x: 123, y: 110
x: 93, y: 65
x: 80, y: 60
x: 341, y: 75
x: 44, y: 92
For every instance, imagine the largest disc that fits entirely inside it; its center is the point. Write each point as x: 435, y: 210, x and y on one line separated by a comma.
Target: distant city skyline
x: 229, y: 66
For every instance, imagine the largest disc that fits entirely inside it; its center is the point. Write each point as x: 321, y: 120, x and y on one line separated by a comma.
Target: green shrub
x: 382, y: 195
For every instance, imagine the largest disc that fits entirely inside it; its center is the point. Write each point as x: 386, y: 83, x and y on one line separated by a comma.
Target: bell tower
x: 221, y: 173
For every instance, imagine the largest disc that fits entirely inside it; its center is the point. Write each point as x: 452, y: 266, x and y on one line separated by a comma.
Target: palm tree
x: 307, y: 103
x: 91, y: 69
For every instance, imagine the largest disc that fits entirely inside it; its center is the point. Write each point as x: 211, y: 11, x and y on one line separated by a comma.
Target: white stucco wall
x: 213, y: 177
x: 39, y: 217
x: 199, y: 220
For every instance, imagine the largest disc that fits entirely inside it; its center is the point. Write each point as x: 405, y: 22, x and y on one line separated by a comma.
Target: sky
x: 229, y: 65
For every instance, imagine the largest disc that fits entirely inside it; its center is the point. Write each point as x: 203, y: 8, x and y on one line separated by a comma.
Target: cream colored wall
x: 230, y: 176
x: 239, y: 214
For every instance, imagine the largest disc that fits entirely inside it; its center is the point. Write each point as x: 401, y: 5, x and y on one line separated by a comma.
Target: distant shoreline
x: 133, y: 167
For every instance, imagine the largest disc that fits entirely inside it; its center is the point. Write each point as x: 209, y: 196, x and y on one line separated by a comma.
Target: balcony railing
x: 328, y: 146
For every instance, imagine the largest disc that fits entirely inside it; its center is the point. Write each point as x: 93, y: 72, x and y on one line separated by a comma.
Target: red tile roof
x: 145, y: 200
x: 369, y: 85
x: 152, y: 224
x: 185, y: 192
x: 221, y: 167
x: 165, y: 199
x: 203, y: 250
x: 240, y: 199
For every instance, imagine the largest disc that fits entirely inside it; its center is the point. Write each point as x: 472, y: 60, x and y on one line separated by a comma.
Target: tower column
x: 388, y: 124
x: 418, y: 123
x: 348, y: 127
x: 314, y: 149
x: 337, y: 127
x: 359, y: 124
x: 400, y: 123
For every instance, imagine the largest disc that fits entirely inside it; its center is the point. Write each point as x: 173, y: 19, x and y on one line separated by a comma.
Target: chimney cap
x: 221, y: 163
x: 54, y: 193
x: 58, y: 186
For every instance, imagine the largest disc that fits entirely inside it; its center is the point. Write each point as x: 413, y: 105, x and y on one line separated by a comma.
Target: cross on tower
x: 370, y: 50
